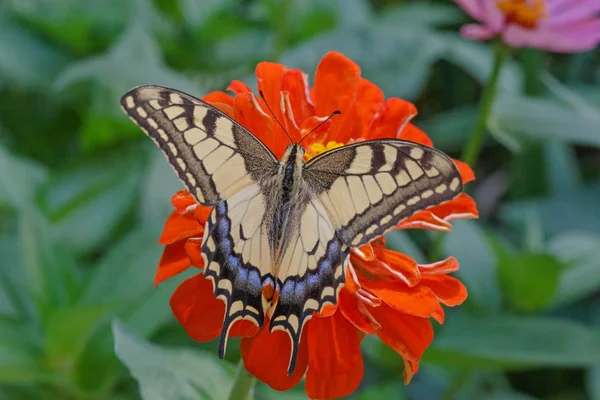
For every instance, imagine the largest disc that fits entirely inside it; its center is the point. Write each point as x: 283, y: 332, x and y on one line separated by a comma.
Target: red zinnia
x: 386, y: 293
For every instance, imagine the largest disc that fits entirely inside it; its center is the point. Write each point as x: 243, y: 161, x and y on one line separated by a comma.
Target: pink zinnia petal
x: 476, y: 32
x: 517, y: 36
x: 493, y: 16
x: 580, y: 10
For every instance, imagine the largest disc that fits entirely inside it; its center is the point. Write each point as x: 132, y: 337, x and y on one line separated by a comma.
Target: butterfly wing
x: 311, y: 273
x: 367, y: 188
x: 221, y: 164
x: 213, y: 155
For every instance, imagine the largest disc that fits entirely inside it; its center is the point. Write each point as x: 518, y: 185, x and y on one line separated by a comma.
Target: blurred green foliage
x: 83, y: 195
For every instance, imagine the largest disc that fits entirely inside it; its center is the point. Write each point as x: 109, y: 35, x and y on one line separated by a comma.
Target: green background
x: 83, y: 195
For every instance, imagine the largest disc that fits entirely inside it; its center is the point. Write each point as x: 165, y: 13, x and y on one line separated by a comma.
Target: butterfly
x: 285, y: 223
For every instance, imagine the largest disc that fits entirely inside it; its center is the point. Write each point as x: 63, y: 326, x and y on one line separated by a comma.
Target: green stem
x: 243, y: 383
x: 473, y: 147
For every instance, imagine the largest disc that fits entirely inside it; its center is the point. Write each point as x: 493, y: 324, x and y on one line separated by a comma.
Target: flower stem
x: 243, y: 383
x: 473, y: 147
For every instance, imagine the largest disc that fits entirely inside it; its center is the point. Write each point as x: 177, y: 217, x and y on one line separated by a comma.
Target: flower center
x: 317, y: 148
x: 526, y: 13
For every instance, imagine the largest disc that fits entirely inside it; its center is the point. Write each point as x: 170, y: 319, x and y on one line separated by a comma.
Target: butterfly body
x: 277, y: 242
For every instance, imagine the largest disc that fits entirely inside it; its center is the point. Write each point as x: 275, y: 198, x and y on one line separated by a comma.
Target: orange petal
x: 336, y: 84
x: 289, y: 120
x: 406, y: 334
x: 173, y: 261
x: 365, y: 252
x: 394, y: 115
x: 352, y: 284
x: 243, y: 328
x: 193, y: 249
x: 462, y: 206
x: 238, y: 87
x: 443, y: 267
x: 202, y: 213
x: 335, y: 366
x: 356, y: 121
x: 439, y: 314
x: 447, y: 289
x: 197, y: 309
x: 179, y: 227
x: 391, y: 264
x: 466, y: 173
x: 424, y: 220
x: 182, y: 200
x: 295, y: 82
x: 267, y: 356
x: 417, y: 300
x: 319, y: 135
x: 410, y: 369
x: 355, y: 312
x: 270, y: 82
x: 218, y: 97
x: 412, y: 133
x: 252, y: 117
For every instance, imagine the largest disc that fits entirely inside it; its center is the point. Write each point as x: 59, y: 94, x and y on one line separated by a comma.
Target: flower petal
x: 218, y: 97
x: 238, y: 87
x: 295, y: 82
x: 243, y: 328
x: 335, y: 366
x: 267, y: 356
x: 182, y: 200
x: 439, y: 315
x: 197, y: 309
x: 462, y: 206
x: 406, y: 334
x: 356, y: 121
x: 414, y: 134
x: 466, y: 173
x: 193, y: 249
x: 355, y: 312
x: 424, y: 220
x: 391, y: 264
x: 547, y: 39
x: 336, y: 84
x: 476, y: 32
x: 393, y: 117
x: 443, y: 267
x: 418, y: 300
x: 410, y: 369
x: 365, y: 252
x: 179, y: 227
x: 447, y: 289
x: 173, y: 261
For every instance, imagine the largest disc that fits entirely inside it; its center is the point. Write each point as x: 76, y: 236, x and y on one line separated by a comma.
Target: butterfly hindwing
x: 213, y: 155
x: 237, y: 257
x: 312, y: 272
x: 367, y: 188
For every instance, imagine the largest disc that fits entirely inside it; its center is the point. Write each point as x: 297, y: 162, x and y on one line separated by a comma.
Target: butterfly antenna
x: 336, y: 112
x: 273, y: 114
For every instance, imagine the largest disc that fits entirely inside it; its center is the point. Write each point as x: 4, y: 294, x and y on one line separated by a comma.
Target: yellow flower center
x: 526, y: 13
x: 317, y: 148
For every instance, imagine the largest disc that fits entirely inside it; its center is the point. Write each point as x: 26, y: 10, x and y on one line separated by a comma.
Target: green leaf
x: 561, y: 164
x: 68, y: 331
x: 158, y: 187
x: 467, y: 242
x: 385, y: 391
x: 32, y: 62
x: 580, y: 251
x: 592, y: 379
x: 528, y: 281
x: 19, y: 179
x: 512, y: 343
x: 50, y: 271
x: 422, y: 14
x: 450, y: 130
x: 127, y: 270
x: 19, y: 354
x: 171, y: 373
x: 519, y: 117
x: 557, y: 213
x: 87, y: 202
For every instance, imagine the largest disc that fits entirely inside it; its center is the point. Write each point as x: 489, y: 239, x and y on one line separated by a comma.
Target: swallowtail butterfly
x: 286, y: 223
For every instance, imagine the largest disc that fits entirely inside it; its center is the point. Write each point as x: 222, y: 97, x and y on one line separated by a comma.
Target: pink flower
x: 563, y: 26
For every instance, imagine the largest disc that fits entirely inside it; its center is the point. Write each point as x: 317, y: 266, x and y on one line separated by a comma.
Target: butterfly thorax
x: 288, y: 197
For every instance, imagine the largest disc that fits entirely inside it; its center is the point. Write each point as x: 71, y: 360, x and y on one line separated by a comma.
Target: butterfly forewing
x: 367, y: 188
x: 213, y: 155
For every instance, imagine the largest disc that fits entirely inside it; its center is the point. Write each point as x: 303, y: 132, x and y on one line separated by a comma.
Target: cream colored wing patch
x: 237, y: 257
x: 367, y: 188
x: 311, y: 274
x: 213, y: 155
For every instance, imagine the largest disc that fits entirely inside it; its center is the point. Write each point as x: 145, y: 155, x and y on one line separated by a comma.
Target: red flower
x: 386, y: 293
